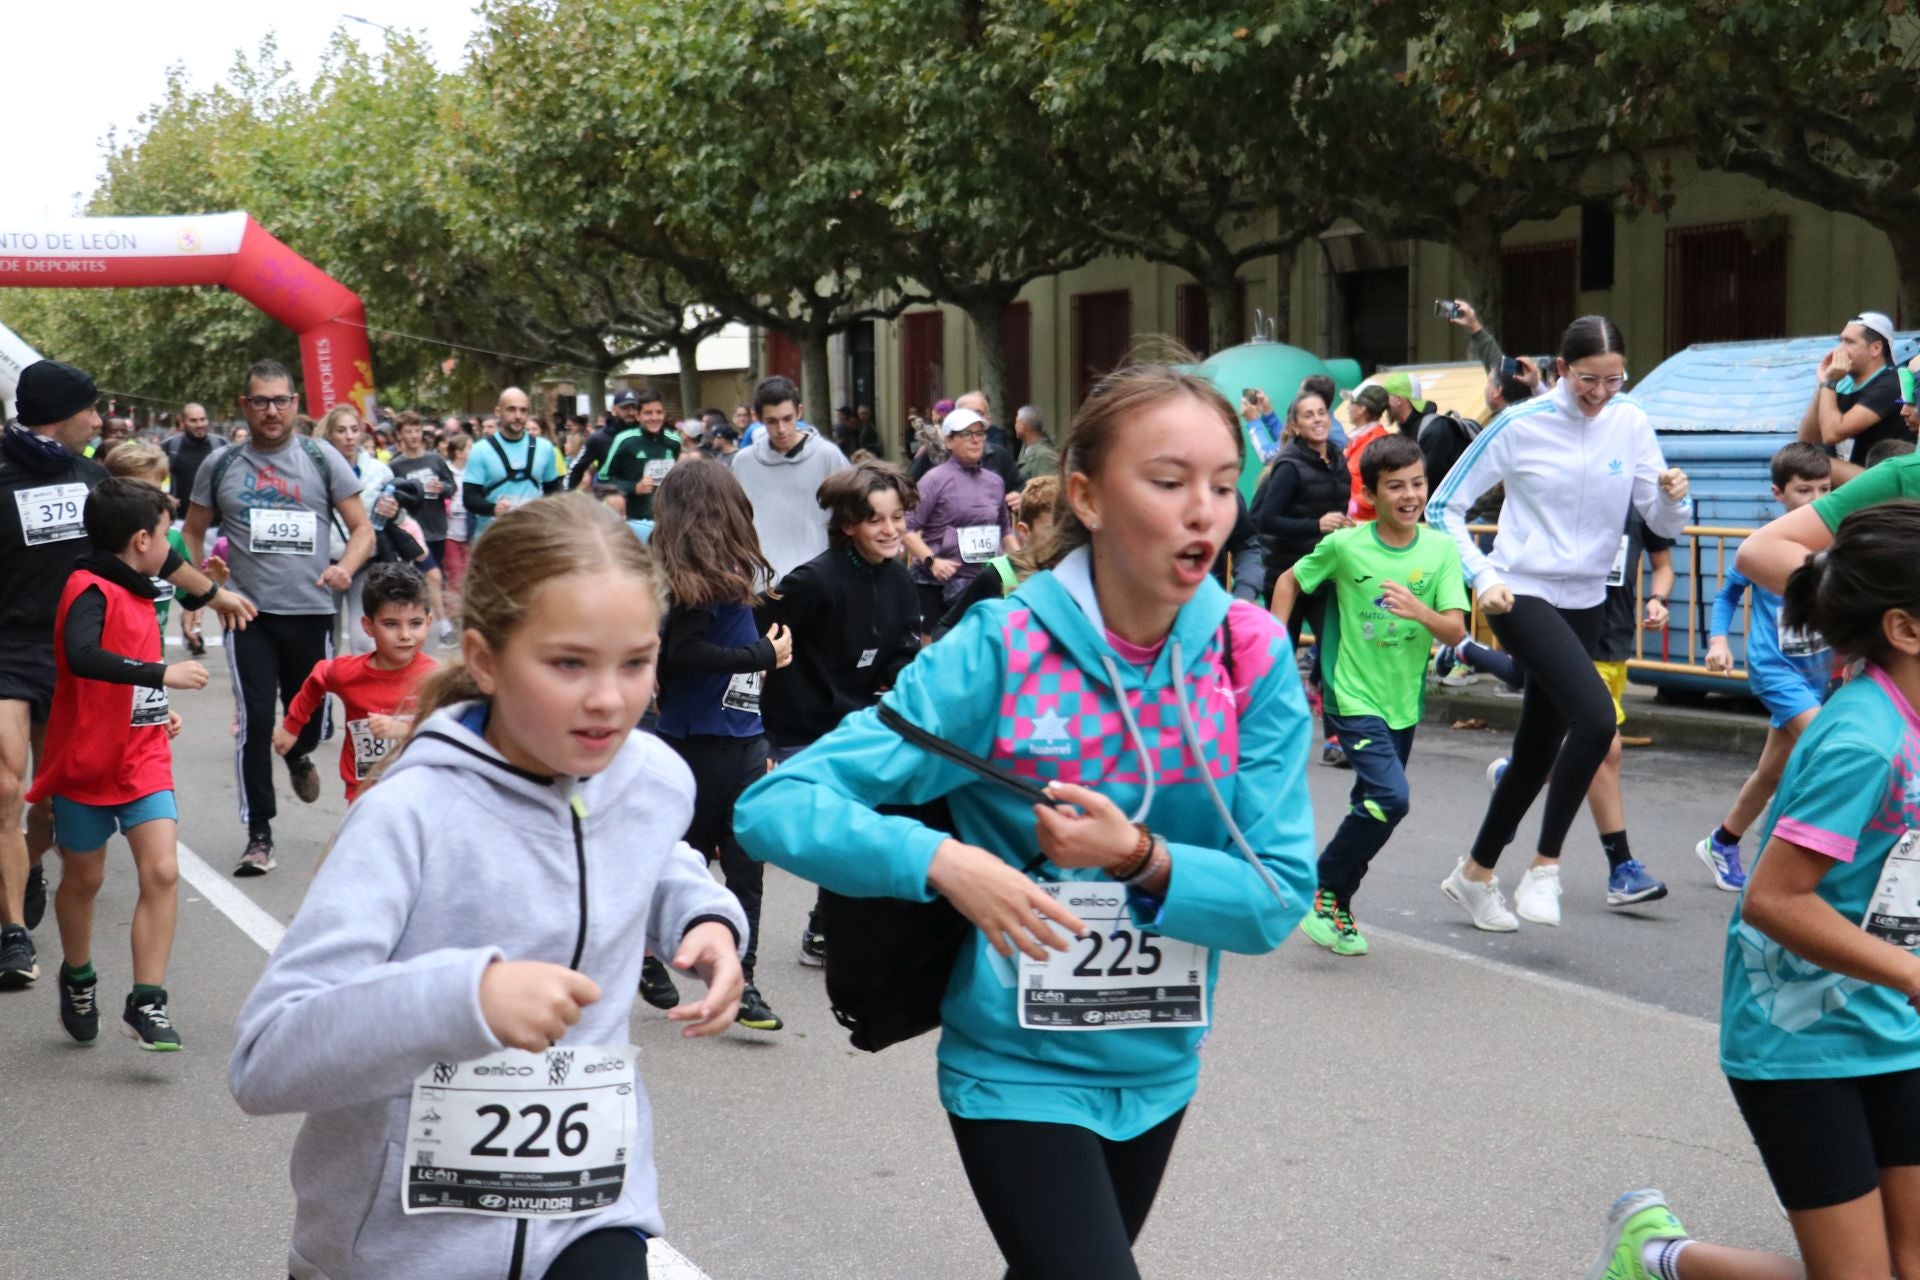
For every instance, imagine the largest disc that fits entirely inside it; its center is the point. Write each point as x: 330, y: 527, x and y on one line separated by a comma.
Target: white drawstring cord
x: 1192, y: 737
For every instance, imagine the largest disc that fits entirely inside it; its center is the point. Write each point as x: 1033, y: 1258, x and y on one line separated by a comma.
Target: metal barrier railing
x: 1697, y: 598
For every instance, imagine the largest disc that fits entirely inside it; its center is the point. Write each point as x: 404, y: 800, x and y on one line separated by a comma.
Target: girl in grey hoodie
x: 514, y: 862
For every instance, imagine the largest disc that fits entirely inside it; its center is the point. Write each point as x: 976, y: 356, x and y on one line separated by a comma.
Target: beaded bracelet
x: 1157, y: 861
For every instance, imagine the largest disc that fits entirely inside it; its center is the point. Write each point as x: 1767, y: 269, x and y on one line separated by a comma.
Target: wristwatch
x: 1662, y: 599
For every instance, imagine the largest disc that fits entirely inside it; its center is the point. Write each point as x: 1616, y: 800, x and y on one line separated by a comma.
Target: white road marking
x: 664, y: 1262
x: 1626, y: 1004
x: 247, y: 915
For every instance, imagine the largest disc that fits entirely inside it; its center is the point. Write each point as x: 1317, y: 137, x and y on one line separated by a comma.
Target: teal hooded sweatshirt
x: 1030, y: 683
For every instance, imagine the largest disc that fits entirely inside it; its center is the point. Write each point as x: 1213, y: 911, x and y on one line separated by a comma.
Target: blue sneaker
x: 1630, y: 883
x: 1724, y: 861
x: 1445, y: 659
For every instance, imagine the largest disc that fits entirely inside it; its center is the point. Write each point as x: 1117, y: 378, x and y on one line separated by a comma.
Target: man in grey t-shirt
x: 273, y: 498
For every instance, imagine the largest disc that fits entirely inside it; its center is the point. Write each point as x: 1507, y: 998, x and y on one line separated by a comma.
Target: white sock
x: 1661, y: 1258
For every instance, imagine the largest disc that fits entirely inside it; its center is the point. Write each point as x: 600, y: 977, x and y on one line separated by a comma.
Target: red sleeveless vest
x: 106, y: 743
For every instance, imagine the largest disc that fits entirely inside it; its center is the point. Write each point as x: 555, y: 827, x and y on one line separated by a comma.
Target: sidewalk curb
x: 1672, y: 728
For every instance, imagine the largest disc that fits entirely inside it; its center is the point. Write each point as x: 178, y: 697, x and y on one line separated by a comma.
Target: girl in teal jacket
x: 1168, y: 724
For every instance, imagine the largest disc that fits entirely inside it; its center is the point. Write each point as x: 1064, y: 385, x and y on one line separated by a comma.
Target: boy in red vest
x: 378, y: 689
x: 108, y: 764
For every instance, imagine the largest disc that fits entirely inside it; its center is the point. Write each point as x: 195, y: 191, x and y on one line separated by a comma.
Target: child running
x: 379, y: 689
x: 144, y: 460
x: 1788, y: 671
x: 1169, y: 730
x: 108, y: 763
x: 854, y: 617
x: 436, y: 1007
x: 712, y: 663
x: 1818, y: 1036
x: 1397, y: 587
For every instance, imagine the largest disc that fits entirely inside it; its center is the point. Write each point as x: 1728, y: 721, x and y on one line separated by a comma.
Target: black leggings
x: 722, y: 768
x: 614, y: 1253
x: 1062, y: 1202
x: 1566, y: 723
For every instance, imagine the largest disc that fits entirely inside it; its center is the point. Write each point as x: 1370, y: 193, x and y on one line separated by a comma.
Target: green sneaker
x: 1348, y: 941
x: 1635, y: 1218
x: 1320, y: 924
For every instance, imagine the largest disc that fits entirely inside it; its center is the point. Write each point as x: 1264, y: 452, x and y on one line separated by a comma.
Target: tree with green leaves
x: 723, y: 139
x: 1428, y: 151
x: 1819, y: 99
x: 1173, y: 126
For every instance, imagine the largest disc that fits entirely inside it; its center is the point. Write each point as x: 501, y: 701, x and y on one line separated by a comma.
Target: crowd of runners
x: 1034, y: 717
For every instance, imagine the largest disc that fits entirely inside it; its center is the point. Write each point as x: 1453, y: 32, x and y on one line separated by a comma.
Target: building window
x: 923, y: 337
x: 783, y: 357
x: 1016, y: 326
x: 1102, y: 332
x: 1725, y: 284
x: 1192, y: 317
x: 1539, y: 285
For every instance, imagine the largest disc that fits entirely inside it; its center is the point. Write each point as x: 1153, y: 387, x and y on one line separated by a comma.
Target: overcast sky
x: 74, y: 72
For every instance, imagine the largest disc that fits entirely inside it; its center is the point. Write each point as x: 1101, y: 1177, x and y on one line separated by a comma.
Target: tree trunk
x: 688, y: 351
x: 1283, y: 294
x: 596, y: 394
x: 816, y: 383
x: 1478, y: 243
x: 1223, y: 326
x: 1906, y: 260
x: 989, y: 329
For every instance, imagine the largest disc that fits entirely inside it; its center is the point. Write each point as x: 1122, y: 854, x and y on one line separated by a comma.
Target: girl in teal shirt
x: 1167, y: 723
x: 1819, y: 1037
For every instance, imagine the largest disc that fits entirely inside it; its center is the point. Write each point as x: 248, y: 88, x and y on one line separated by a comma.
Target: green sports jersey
x: 1373, y: 663
x: 1893, y: 478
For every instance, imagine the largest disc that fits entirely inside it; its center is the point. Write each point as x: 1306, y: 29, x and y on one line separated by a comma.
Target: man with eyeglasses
x: 273, y: 497
x: 1857, y: 399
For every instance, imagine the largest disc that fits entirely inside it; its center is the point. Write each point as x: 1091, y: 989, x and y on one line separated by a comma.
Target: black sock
x: 1723, y: 836
x: 1614, y: 844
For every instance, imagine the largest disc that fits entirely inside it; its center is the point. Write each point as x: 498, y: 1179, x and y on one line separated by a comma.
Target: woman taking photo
x: 1164, y: 723
x: 1303, y: 499
x: 1573, y: 461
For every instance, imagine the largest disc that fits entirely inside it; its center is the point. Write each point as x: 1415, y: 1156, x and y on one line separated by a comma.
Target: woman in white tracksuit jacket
x: 1573, y: 461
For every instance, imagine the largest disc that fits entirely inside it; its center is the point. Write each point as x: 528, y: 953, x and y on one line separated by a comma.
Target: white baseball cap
x: 1876, y: 321
x: 959, y: 420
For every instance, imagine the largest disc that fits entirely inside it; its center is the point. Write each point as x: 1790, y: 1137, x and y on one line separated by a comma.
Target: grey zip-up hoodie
x: 457, y: 859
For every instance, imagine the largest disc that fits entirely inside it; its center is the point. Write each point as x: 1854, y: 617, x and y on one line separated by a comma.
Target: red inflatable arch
x: 228, y: 249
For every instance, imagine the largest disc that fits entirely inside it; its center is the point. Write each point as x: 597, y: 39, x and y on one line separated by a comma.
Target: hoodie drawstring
x: 1190, y: 742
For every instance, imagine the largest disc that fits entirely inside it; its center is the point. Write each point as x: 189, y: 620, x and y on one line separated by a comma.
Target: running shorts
x: 27, y: 675
x: 1784, y: 690
x: 1824, y: 1142
x: 1614, y: 676
x: 82, y: 828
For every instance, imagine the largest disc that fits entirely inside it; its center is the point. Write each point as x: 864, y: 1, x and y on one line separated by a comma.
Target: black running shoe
x: 78, y: 1012
x: 149, y: 1024
x: 258, y: 859
x: 755, y: 1014
x: 813, y: 944
x: 305, y: 779
x: 197, y: 645
x: 36, y: 895
x: 656, y: 985
x: 18, y: 963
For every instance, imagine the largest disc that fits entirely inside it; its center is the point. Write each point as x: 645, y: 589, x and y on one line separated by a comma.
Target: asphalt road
x: 1454, y: 1105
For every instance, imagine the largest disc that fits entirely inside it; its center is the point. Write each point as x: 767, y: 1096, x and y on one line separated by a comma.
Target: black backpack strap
x: 221, y: 465
x: 521, y: 474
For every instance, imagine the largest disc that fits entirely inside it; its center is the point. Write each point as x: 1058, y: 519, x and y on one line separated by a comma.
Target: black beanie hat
x: 50, y: 392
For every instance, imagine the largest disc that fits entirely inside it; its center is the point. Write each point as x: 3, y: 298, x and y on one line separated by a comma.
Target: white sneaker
x: 1484, y: 903
x: 1537, y: 897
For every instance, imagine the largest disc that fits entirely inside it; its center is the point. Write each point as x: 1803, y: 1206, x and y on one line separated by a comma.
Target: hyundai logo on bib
x: 493, y: 1202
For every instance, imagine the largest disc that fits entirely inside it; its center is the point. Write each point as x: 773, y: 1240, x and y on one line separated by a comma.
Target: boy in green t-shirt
x: 1397, y: 585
